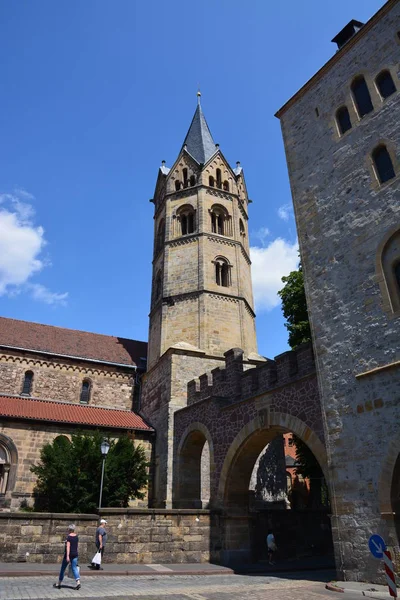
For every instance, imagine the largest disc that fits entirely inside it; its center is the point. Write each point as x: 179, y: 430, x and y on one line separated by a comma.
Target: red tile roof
x: 60, y: 412
x: 69, y: 342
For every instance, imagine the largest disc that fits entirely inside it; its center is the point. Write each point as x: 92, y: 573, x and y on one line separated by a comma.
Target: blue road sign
x: 376, y: 545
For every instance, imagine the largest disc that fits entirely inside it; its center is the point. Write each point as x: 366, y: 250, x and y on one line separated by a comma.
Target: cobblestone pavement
x: 190, y: 587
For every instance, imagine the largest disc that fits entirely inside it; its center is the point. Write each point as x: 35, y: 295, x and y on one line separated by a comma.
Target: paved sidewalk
x: 370, y: 590
x: 27, y: 569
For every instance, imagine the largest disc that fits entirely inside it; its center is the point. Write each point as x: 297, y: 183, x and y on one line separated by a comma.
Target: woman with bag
x: 70, y: 558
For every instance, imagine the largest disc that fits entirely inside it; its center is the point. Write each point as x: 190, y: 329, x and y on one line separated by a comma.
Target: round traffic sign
x: 376, y: 545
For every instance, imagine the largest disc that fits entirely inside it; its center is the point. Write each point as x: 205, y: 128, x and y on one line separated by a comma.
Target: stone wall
x: 29, y: 439
x: 343, y: 217
x: 135, y: 536
x: 61, y: 379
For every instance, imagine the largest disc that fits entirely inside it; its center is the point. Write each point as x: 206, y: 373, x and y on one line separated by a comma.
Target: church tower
x: 201, y: 301
x: 201, y: 291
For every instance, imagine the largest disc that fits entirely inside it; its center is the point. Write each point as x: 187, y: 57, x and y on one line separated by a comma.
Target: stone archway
x: 389, y: 494
x: 233, y: 492
x: 8, y: 469
x: 194, y: 465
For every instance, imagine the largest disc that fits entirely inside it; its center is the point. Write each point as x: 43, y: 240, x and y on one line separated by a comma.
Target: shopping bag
x: 70, y: 572
x: 96, y: 560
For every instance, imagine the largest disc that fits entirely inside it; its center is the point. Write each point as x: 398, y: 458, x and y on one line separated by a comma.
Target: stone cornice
x: 66, y: 367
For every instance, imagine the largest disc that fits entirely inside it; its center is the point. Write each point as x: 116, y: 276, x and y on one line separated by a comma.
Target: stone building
x: 54, y: 381
x: 341, y: 132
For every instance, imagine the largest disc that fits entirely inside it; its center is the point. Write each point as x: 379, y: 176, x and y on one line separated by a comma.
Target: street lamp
x: 104, y: 447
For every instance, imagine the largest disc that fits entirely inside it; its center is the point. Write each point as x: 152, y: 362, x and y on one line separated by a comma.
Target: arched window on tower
x: 389, y: 272
x: 177, y: 185
x: 192, y: 180
x: 385, y: 84
x: 343, y: 119
x: 242, y: 230
x: 85, y: 391
x: 361, y: 96
x: 222, y: 272
x: 383, y: 164
x: 186, y: 219
x: 160, y: 236
x: 220, y: 220
x: 211, y: 181
x: 185, y: 178
x: 219, y: 179
x: 226, y: 186
x: 27, y: 384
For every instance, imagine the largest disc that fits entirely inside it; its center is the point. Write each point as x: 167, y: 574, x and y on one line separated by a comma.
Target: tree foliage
x: 294, y: 308
x: 69, y: 472
x: 308, y: 466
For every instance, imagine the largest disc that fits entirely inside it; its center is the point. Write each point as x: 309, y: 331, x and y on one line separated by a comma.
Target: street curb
x: 225, y: 571
x: 334, y: 588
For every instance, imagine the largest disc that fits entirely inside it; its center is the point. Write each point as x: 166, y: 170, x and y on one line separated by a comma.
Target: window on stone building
x: 383, y: 164
x: 177, y: 185
x: 85, y: 392
x: 385, y: 84
x: 185, y: 178
x: 219, y: 179
x: 220, y: 220
x: 192, y: 180
x: 390, y: 269
x: 186, y: 219
x: 160, y: 236
x: 211, y: 181
x: 222, y: 272
x: 27, y: 383
x: 343, y: 119
x: 226, y: 186
x: 361, y: 96
x: 242, y: 230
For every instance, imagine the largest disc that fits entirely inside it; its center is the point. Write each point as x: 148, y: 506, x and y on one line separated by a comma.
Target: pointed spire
x: 198, y: 140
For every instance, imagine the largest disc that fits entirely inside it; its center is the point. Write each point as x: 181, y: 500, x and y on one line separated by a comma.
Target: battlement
x: 239, y: 379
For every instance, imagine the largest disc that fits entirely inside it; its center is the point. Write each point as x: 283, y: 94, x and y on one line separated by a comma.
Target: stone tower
x: 201, y: 301
x: 342, y: 141
x: 201, y: 292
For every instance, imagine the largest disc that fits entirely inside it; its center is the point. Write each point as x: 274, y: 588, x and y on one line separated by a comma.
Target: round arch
x: 12, y: 465
x: 249, y: 443
x: 188, y: 463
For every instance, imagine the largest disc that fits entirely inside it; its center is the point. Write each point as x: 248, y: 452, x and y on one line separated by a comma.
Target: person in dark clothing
x: 70, y: 556
x: 101, y: 539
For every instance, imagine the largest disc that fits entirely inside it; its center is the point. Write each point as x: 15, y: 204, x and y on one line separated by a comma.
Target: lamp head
x: 104, y: 447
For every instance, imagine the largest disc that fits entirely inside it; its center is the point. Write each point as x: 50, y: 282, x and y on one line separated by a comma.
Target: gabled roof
x: 198, y: 141
x: 71, y: 343
x: 74, y: 414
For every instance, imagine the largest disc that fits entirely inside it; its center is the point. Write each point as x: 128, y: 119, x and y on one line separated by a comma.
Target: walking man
x: 101, y: 539
x: 271, y: 546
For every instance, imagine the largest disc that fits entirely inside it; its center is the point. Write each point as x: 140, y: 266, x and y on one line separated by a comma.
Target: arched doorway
x: 8, y: 469
x: 395, y: 497
x: 299, y: 530
x: 193, y: 467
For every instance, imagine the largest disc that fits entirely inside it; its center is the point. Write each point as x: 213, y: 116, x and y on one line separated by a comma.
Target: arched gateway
x: 237, y: 412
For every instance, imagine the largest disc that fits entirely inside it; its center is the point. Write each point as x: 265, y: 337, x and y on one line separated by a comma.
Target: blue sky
x: 94, y: 95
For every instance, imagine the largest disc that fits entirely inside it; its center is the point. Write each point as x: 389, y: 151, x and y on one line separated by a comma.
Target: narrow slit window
x: 184, y: 224
x: 385, y: 84
x: 241, y: 228
x: 226, y: 186
x: 177, y: 185
x: 383, y: 164
x: 85, y: 392
x: 343, y: 119
x: 361, y: 96
x: 211, y: 181
x: 192, y: 180
x: 185, y: 178
x: 27, y: 383
x: 219, y: 179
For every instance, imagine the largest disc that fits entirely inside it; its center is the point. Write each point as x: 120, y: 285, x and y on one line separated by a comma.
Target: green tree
x: 68, y: 474
x: 294, y: 308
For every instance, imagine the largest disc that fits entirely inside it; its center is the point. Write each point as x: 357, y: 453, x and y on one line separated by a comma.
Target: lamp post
x: 104, y: 447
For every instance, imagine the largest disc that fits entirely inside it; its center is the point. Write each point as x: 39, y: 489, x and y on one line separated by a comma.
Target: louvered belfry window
x: 85, y: 392
x: 27, y: 385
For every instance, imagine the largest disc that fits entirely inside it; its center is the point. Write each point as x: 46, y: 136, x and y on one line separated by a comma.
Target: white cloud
x: 40, y: 292
x: 285, y: 211
x: 261, y: 235
x: 269, y: 265
x: 21, y: 247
